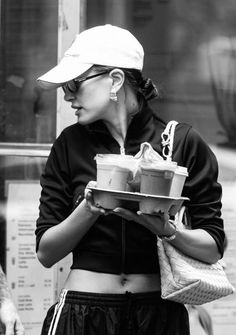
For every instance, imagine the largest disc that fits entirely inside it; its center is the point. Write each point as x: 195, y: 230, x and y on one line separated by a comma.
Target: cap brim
x: 68, y: 69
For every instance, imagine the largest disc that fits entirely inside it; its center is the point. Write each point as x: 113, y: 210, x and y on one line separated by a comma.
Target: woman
x: 114, y: 283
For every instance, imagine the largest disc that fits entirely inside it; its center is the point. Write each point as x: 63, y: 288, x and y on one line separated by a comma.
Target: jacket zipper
x: 123, y: 232
x: 122, y: 150
x: 123, y: 225
x: 123, y: 246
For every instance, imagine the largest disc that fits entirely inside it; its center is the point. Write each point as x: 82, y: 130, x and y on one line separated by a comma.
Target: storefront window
x: 28, y: 48
x: 177, y: 37
x: 27, y: 113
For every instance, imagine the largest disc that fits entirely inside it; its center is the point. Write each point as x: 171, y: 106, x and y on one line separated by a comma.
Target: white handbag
x: 184, y: 279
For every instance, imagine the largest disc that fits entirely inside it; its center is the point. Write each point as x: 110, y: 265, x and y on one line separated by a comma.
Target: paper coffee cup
x: 181, y: 173
x: 157, y: 178
x: 114, y: 171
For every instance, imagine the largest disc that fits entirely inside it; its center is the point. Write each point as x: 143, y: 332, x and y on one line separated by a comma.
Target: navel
x: 124, y: 279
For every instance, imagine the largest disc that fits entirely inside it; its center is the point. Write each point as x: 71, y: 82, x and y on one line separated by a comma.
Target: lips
x: 77, y: 109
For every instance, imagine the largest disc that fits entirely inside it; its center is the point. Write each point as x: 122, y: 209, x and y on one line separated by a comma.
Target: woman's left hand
x: 158, y: 224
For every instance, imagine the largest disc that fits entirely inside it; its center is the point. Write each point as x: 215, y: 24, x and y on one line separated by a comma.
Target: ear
x: 118, y: 78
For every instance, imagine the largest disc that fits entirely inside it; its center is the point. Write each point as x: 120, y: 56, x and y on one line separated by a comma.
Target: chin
x: 84, y: 122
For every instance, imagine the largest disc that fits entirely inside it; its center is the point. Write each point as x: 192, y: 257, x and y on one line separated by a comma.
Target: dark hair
x: 143, y: 87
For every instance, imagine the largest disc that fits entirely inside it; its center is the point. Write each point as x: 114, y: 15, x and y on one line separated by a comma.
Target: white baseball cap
x: 102, y: 45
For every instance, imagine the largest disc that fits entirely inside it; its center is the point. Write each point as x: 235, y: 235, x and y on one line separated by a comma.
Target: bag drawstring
x: 168, y: 140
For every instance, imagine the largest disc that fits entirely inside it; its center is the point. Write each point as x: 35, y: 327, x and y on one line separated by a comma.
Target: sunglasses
x: 73, y: 85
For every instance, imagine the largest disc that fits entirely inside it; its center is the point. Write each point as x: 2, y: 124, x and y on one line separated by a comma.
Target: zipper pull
x: 122, y: 150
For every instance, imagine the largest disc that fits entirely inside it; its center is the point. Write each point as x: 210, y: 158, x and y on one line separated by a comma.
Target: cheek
x: 98, y: 98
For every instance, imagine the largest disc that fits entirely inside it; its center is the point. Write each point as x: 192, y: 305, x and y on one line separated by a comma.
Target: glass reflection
x: 28, y: 48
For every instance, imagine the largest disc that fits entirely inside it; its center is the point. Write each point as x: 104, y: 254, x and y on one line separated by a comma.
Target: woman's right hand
x: 59, y: 240
x: 88, y: 195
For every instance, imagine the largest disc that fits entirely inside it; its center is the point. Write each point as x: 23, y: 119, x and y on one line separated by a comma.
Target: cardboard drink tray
x: 146, y: 203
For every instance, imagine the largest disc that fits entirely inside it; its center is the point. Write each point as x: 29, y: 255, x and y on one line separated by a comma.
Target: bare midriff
x: 89, y: 281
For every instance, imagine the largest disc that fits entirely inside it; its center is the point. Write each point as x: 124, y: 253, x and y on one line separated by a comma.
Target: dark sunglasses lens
x: 71, y: 86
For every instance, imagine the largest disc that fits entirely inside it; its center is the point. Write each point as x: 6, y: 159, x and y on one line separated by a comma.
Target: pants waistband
x: 110, y: 299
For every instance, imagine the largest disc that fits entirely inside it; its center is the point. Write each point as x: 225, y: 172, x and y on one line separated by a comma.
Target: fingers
x: 126, y: 214
x: 159, y: 223
x: 94, y: 208
x: 91, y: 205
x: 89, y: 196
x: 91, y: 183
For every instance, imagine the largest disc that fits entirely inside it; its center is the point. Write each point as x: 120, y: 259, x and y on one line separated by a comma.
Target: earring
x: 113, y: 95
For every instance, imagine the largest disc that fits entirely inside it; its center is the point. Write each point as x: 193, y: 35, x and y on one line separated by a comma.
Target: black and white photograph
x: 117, y: 167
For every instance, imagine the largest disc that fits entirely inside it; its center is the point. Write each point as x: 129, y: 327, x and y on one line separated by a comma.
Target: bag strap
x: 167, y: 140
x: 182, y: 218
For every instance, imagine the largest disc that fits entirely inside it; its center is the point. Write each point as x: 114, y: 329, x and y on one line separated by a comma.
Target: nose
x: 68, y: 96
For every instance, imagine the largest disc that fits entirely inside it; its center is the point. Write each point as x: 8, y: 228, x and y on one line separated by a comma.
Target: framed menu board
x: 31, y: 284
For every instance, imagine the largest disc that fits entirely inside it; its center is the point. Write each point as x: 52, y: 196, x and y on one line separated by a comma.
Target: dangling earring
x: 113, y: 95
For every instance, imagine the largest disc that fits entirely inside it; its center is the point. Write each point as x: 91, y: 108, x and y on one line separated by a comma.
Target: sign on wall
x: 31, y: 284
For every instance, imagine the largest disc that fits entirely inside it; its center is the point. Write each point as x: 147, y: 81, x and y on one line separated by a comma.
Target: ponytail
x: 148, y: 89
